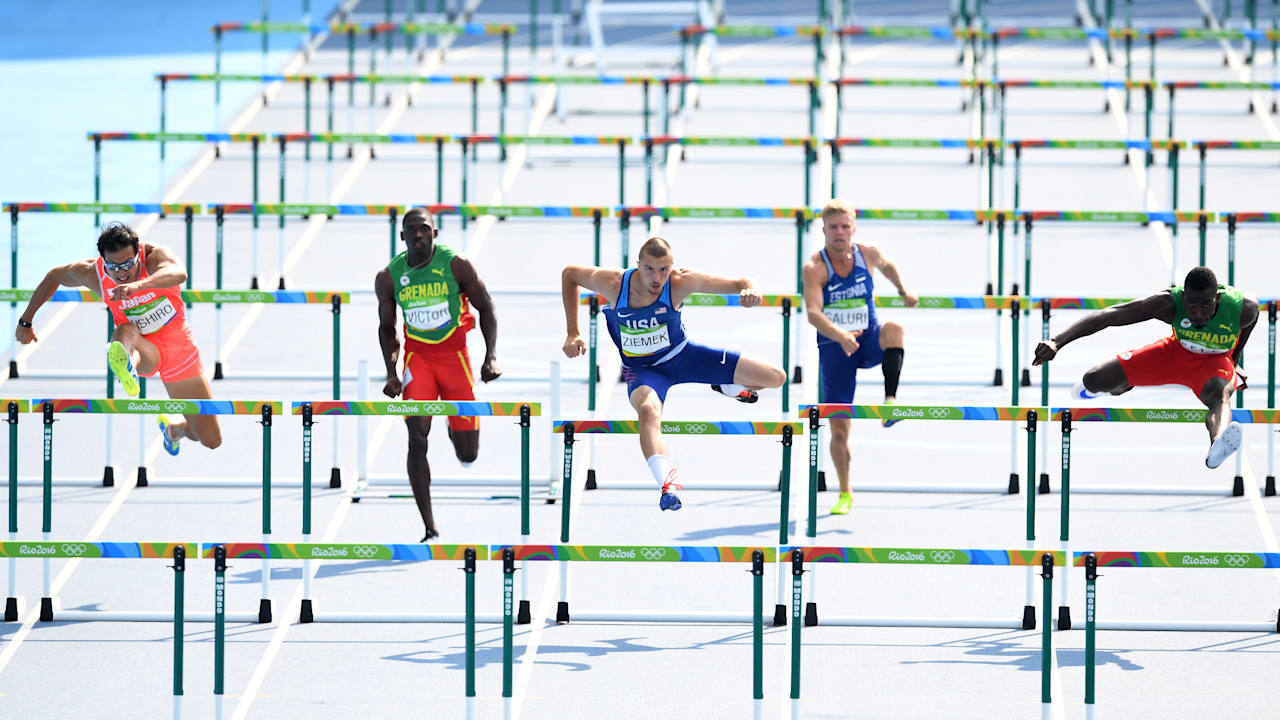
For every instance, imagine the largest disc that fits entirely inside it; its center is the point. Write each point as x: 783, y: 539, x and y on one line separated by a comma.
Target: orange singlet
x: 161, y: 318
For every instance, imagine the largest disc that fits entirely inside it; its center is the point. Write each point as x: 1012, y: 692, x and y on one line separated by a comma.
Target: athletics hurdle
x: 809, y: 144
x: 265, y: 409
x: 1174, y: 85
x: 12, y: 409
x: 569, y: 428
x: 415, y: 408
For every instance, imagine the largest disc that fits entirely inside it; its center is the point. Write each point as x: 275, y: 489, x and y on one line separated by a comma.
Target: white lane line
x: 46, y: 329
x: 1259, y: 510
x: 1260, y: 104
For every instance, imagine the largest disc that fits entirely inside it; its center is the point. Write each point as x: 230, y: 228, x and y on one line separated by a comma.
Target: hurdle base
x: 1014, y: 484
x: 523, y: 616
x: 13, y: 369
x: 1064, y: 617
x: 811, y: 614
x: 142, y: 477
x: 562, y: 611
x: 1270, y: 488
x: 253, y: 283
x: 264, y: 610
x: 306, y: 614
x: 1237, y: 486
x: 335, y: 478
x: 1044, y: 484
x: 998, y: 380
x: 46, y: 609
x: 1029, y: 617
x: 822, y: 481
x: 281, y: 285
x: 11, y: 609
x: 797, y: 375
x: 1026, y: 377
x: 591, y: 479
x: 779, y: 615
x: 108, y: 476
x: 217, y: 370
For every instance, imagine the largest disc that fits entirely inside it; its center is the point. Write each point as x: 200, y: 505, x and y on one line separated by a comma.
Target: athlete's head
x: 654, y: 264
x: 838, y: 225
x: 118, y: 246
x: 418, y: 231
x: 1200, y: 295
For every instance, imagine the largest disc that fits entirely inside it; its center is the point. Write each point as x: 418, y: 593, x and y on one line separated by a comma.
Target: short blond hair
x: 838, y: 207
x: 655, y: 247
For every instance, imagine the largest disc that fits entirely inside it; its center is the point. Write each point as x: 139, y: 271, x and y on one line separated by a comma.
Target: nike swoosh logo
x: 860, y: 279
x: 723, y: 355
x: 624, y: 314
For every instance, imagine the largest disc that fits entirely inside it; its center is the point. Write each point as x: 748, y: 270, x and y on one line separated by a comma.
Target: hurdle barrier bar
x: 504, y: 212
x: 1195, y: 560
x: 255, y: 139
x: 1172, y: 86
x: 350, y: 78
x: 1202, y: 147
x: 414, y: 408
x: 788, y: 304
x: 265, y: 409
x: 620, y: 141
x: 808, y: 144
x: 1013, y: 414
x: 570, y: 428
x: 469, y: 554
x: 13, y: 408
x: 665, y: 81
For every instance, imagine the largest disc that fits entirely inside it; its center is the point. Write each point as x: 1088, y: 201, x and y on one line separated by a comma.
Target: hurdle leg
x: 141, y: 480
x: 1090, y: 629
x: 757, y: 634
x: 264, y: 605
x: 306, y: 613
x: 179, y: 572
x: 46, y: 599
x: 553, y: 479
x: 562, y: 607
x: 1046, y: 637
x: 219, y: 626
x: 508, y: 572
x: 797, y: 592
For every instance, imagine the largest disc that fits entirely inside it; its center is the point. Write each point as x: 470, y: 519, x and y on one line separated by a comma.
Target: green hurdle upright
x: 266, y: 410
x: 524, y: 411
x: 13, y: 408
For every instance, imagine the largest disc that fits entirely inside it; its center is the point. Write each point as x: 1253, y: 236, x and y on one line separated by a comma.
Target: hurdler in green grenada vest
x: 1220, y: 334
x: 430, y: 301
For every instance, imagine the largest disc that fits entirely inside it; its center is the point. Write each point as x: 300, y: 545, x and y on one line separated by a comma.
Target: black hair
x: 1201, y: 278
x: 419, y: 210
x: 116, y: 236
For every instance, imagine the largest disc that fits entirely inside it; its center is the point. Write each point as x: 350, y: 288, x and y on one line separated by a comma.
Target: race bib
x: 639, y: 342
x: 429, y: 317
x: 153, y: 316
x: 849, y: 315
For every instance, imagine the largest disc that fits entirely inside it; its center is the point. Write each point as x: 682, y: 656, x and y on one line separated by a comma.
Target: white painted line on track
x: 1260, y: 104
x: 1259, y: 510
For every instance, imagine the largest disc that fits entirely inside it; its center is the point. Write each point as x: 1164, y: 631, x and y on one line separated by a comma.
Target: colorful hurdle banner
x: 1032, y: 559
x: 1013, y: 415
x: 570, y: 428
x: 350, y: 79
x: 787, y: 303
x: 264, y: 409
x: 412, y: 408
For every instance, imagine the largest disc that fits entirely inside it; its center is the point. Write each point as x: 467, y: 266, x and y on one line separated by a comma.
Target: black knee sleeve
x: 892, y: 367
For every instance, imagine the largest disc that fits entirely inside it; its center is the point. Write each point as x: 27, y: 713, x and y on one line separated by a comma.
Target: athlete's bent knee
x: 212, y: 440
x: 1215, y: 391
x: 649, y: 412
x: 775, y: 377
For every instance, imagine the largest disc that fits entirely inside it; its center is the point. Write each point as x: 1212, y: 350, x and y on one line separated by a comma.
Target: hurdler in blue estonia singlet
x: 649, y: 335
x: 848, y: 301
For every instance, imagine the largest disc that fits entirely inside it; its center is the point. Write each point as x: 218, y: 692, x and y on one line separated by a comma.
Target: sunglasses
x: 119, y: 267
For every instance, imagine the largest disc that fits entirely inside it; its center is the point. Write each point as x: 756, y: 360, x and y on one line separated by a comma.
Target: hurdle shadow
x: 1013, y: 653
x: 332, y: 569
x: 765, y: 529
x: 492, y: 654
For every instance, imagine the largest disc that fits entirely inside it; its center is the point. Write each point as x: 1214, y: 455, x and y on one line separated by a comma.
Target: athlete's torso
x: 149, y: 310
x: 848, y: 300
x: 647, y: 335
x: 1220, y: 334
x: 436, y: 313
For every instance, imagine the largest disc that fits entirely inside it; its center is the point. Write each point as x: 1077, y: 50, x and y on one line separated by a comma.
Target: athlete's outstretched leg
x: 141, y: 351
x: 466, y: 444
x: 1224, y: 435
x: 200, y: 428
x: 892, y: 341
x: 654, y: 448
x: 756, y: 374
x: 840, y: 455
x: 420, y: 472
x: 1108, y: 377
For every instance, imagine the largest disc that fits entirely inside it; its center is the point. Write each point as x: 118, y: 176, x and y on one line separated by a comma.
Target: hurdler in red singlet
x: 142, y: 286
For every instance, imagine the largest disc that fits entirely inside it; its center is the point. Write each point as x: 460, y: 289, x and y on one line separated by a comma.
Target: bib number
x: 154, y: 317
x: 429, y: 317
x: 639, y: 342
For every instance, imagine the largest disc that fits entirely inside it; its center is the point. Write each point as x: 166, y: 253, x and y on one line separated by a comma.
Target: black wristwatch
x: 23, y: 323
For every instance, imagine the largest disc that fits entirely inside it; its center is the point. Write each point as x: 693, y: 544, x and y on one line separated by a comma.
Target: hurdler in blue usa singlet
x: 648, y: 335
x: 848, y: 301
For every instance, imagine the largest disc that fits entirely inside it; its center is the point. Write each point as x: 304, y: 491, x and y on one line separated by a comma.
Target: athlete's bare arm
x: 1154, y: 307
x: 1249, y: 313
x: 387, y: 331
x: 815, y: 276
x: 76, y: 274
x: 602, y: 281
x: 163, y: 271
x: 876, y: 258
x: 686, y: 281
x: 471, y: 285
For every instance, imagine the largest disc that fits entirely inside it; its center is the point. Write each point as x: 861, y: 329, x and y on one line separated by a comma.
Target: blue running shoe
x: 669, y: 500
x: 889, y: 422
x: 170, y: 445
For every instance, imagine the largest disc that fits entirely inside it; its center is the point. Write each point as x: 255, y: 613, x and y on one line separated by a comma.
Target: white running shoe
x: 1080, y: 392
x: 1222, y: 448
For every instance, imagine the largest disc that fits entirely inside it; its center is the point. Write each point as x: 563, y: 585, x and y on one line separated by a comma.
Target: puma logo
x: 438, y: 271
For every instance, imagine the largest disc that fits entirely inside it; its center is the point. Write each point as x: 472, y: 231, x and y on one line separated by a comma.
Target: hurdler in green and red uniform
x: 433, y: 289
x: 1211, y: 324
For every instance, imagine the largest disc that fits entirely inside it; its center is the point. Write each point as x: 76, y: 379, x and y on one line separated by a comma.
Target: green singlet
x: 1219, y: 335
x: 428, y: 296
